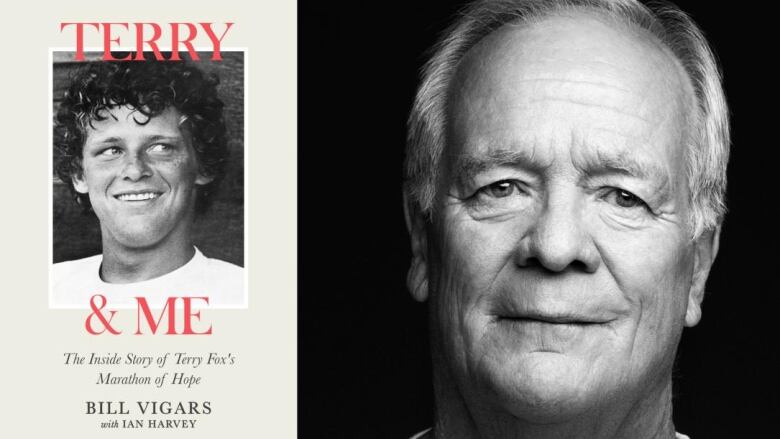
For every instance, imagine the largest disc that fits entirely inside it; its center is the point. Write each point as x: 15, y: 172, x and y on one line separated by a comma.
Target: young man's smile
x: 136, y: 196
x: 141, y: 175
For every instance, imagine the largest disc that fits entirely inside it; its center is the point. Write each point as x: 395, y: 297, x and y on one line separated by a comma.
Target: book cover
x: 153, y: 246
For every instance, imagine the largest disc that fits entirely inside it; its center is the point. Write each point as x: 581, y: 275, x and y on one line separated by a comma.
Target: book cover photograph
x: 148, y: 160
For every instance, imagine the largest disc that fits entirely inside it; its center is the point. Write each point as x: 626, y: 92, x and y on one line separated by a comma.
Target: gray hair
x: 708, y: 148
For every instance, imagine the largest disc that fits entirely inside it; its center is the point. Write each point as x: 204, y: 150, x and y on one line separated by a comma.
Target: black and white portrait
x: 534, y: 219
x: 148, y: 180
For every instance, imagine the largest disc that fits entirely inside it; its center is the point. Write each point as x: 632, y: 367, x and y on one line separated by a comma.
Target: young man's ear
x: 705, y: 251
x: 80, y: 183
x: 417, y: 278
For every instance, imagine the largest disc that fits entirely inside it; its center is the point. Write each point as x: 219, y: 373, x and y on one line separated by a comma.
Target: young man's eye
x: 111, y: 151
x: 160, y: 148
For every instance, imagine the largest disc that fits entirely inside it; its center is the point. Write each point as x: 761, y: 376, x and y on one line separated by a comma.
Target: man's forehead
x: 570, y: 80
x: 589, y: 160
x: 128, y: 118
x: 578, y: 46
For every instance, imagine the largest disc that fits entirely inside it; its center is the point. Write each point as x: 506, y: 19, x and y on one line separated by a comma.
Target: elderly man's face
x: 140, y: 177
x: 560, y: 263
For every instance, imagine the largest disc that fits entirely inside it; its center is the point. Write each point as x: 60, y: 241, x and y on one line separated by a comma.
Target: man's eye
x: 160, y: 147
x: 502, y: 197
x: 110, y: 152
x: 625, y: 199
x: 499, y: 189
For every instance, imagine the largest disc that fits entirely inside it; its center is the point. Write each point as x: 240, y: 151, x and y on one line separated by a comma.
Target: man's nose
x: 558, y: 239
x: 135, y: 167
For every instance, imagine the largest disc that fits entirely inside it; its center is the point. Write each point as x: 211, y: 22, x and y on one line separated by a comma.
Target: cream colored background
x: 41, y: 397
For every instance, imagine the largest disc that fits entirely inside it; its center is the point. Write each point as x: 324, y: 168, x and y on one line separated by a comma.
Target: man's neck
x: 123, y: 264
x: 645, y: 418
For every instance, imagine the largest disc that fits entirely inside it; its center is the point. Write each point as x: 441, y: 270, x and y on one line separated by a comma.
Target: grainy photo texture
x: 148, y: 180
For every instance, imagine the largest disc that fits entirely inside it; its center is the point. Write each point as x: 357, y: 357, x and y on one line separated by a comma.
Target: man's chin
x: 544, y: 387
x: 138, y: 237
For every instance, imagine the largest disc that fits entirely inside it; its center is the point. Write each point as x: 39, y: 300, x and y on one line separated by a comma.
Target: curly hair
x: 149, y: 87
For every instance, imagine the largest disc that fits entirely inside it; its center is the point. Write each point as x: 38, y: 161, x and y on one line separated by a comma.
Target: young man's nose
x: 135, y: 167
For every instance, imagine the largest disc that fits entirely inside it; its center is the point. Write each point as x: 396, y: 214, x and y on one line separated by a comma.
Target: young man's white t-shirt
x: 75, y: 282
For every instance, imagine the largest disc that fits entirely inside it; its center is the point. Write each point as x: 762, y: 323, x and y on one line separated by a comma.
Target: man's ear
x: 705, y: 250
x: 203, y: 179
x: 417, y: 278
x: 80, y: 184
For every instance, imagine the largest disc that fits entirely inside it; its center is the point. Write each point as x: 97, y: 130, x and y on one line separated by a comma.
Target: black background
x: 364, y: 368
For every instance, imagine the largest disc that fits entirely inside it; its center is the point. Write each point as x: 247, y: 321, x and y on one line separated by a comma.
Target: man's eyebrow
x: 104, y: 140
x: 150, y: 138
x: 624, y: 164
x: 168, y: 137
x: 467, y: 166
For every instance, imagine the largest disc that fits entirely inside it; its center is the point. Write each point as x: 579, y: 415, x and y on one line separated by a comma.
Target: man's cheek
x: 637, y: 258
x: 468, y: 275
x: 481, y: 249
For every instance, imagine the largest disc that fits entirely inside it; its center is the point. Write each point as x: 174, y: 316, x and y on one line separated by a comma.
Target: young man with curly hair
x: 143, y: 145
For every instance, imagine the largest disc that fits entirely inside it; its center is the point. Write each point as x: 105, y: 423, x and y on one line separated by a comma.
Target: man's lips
x: 555, y: 319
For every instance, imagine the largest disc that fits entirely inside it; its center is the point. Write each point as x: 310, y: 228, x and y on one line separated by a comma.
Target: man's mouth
x: 137, y: 196
x: 553, y: 319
